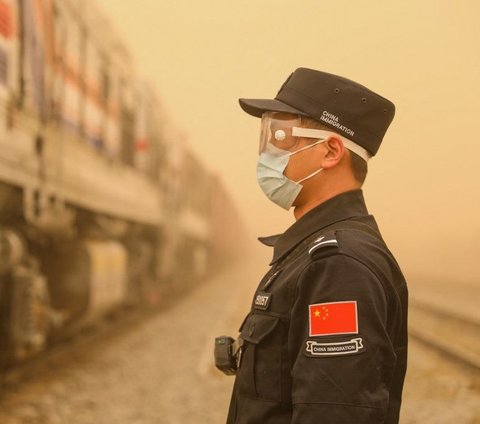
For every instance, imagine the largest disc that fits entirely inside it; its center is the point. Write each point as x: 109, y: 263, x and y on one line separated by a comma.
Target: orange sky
x: 423, y: 186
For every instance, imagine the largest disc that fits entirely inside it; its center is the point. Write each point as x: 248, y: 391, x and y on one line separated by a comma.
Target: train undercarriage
x: 57, y: 278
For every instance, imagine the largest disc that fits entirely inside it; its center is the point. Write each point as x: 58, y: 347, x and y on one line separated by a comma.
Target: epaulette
x: 323, y: 245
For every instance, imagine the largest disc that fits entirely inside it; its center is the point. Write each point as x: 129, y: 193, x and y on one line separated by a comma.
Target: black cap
x: 349, y: 108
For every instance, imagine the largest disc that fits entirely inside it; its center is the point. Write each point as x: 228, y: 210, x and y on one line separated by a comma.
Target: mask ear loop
x: 310, y: 176
x: 308, y: 147
x: 349, y: 144
x: 305, y: 148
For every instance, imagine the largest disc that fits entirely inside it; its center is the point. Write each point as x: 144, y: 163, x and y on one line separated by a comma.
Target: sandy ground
x: 162, y: 371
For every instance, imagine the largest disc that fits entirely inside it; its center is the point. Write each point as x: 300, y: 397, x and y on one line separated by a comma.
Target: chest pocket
x: 260, y: 373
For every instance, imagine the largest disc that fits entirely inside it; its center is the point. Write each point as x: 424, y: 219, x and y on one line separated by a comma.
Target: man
x: 326, y: 338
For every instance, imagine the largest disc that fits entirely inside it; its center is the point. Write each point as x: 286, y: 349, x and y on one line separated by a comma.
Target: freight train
x: 102, y: 204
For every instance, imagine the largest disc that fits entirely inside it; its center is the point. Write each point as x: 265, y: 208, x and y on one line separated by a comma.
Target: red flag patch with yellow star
x: 333, y: 318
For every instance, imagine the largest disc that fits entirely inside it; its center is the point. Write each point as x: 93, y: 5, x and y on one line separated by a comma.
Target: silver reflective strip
x: 316, y: 246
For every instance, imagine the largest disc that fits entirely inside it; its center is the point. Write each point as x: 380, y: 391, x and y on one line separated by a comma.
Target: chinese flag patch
x: 333, y: 318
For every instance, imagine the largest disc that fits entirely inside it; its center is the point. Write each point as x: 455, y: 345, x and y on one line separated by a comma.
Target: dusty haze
x: 423, y: 186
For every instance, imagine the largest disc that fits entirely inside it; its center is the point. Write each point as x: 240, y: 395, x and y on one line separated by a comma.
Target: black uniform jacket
x: 326, y: 338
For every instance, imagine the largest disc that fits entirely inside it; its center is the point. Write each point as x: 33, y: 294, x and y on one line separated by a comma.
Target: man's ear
x: 335, y: 150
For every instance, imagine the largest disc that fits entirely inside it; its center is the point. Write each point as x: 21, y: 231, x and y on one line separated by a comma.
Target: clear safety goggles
x: 284, y: 130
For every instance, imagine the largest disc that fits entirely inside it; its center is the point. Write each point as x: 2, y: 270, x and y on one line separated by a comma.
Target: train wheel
x: 30, y: 312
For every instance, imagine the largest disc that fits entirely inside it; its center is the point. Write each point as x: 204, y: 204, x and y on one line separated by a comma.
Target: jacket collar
x: 339, y: 208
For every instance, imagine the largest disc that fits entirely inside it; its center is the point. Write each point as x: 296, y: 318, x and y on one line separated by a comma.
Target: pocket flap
x: 258, y: 326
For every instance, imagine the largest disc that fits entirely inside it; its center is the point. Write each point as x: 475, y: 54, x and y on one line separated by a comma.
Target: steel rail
x: 453, y: 335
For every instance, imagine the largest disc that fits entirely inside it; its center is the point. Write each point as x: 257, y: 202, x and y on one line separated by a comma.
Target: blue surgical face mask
x: 276, y: 186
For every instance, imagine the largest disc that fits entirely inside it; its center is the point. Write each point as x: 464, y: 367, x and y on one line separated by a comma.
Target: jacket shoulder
x: 349, y: 241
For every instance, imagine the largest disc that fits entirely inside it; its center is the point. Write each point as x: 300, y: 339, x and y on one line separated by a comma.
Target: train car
x: 101, y: 202
x: 190, y: 190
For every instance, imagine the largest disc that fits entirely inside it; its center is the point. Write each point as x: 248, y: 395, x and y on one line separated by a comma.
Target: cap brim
x: 256, y: 107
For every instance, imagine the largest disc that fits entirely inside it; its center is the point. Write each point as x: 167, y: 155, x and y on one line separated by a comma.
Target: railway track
x: 453, y: 334
x: 68, y: 349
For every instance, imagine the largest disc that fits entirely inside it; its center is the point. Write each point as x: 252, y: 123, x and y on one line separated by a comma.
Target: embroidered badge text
x: 348, y: 347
